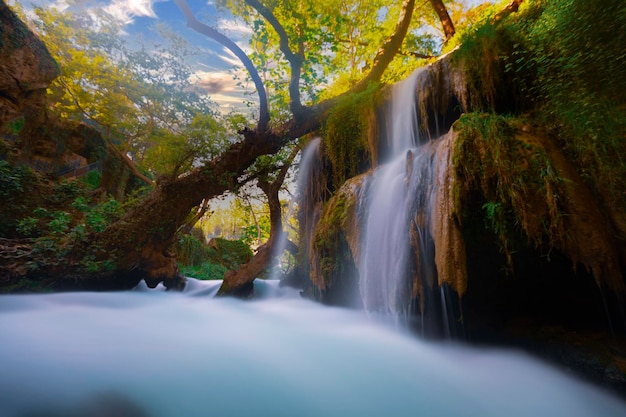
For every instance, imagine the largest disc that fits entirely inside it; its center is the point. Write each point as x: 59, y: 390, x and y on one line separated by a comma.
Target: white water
x: 191, y: 355
x: 403, y: 129
x: 390, y: 204
x: 383, y: 266
x: 307, y: 162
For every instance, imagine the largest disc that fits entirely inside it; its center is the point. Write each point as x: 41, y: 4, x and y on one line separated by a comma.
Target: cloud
x: 126, y: 10
x: 213, y: 82
x: 223, y: 89
x: 234, y: 26
x: 230, y: 58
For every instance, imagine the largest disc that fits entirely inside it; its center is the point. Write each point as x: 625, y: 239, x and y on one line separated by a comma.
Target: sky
x: 214, y: 68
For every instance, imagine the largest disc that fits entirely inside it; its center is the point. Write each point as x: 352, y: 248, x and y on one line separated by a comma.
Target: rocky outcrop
x: 26, y: 67
x: 49, y: 145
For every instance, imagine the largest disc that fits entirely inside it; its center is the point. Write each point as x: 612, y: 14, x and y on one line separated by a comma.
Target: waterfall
x: 397, y: 207
x: 403, y: 132
x: 309, y: 163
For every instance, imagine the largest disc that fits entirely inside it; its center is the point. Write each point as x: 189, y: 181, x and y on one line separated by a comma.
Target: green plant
x: 206, y: 270
x: 103, y: 214
x: 512, y: 174
x: 346, y: 131
x: 565, y: 59
x: 92, y: 179
x: 15, y: 126
x: 190, y: 251
x: 28, y: 227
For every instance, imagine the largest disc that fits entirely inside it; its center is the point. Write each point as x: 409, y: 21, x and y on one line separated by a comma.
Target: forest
x: 456, y: 165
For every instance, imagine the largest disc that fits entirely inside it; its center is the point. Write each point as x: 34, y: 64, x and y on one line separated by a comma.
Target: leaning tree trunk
x: 140, y: 241
x: 239, y: 282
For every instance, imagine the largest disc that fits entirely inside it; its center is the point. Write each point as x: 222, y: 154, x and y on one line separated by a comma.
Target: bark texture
x: 444, y: 17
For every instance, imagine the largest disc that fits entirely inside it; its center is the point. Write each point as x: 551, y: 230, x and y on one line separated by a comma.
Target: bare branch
x: 210, y: 32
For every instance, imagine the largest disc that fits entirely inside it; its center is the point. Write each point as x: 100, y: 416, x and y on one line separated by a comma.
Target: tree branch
x: 390, y: 47
x: 444, y: 17
x: 208, y: 31
x: 238, y: 282
x: 295, y: 59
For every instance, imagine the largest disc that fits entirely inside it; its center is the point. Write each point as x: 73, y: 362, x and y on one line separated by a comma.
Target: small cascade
x: 402, y: 129
x: 309, y: 163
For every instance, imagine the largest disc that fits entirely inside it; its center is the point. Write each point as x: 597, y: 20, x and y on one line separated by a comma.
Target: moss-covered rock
x: 200, y: 260
x: 335, y: 245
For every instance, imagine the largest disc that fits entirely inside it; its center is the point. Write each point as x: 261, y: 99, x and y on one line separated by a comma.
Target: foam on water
x: 188, y: 354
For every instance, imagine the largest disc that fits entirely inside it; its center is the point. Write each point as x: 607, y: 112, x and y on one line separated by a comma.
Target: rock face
x: 26, y: 67
x: 49, y: 145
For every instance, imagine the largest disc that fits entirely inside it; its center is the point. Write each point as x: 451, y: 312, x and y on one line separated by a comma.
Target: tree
x: 139, y: 242
x: 444, y: 17
x: 141, y: 100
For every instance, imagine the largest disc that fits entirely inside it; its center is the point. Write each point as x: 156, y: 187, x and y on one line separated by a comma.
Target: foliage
x: 92, y: 179
x: 346, y: 133
x: 250, y: 233
x: 16, y: 185
x: 234, y: 220
x: 206, y: 270
x: 518, y: 186
x: 565, y: 59
x: 191, y: 251
x: 15, y: 126
x: 139, y: 99
x: 176, y: 152
x: 198, y: 260
x: 337, y: 42
x: 577, y: 52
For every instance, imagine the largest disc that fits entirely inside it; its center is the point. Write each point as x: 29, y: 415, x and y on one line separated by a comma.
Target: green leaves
x: 138, y: 97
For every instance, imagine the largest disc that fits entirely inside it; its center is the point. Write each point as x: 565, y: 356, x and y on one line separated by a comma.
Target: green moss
x: 206, y: 270
x: 565, y: 61
x: 578, y: 55
x: 346, y: 133
x: 329, y: 239
x: 509, y: 177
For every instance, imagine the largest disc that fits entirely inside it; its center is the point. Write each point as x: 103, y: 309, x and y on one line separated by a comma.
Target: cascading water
x: 151, y: 353
x: 308, y: 162
x: 396, y: 193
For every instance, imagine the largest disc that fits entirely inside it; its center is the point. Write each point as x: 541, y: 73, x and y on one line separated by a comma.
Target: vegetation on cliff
x: 536, y: 157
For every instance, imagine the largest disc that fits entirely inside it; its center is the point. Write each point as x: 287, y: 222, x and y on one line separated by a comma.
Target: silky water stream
x: 163, y: 354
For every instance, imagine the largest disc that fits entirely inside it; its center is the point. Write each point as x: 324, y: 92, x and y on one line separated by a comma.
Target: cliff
x: 26, y: 68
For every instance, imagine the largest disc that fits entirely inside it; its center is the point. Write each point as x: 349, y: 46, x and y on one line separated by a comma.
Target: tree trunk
x: 239, y: 282
x: 140, y: 240
x: 444, y: 17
